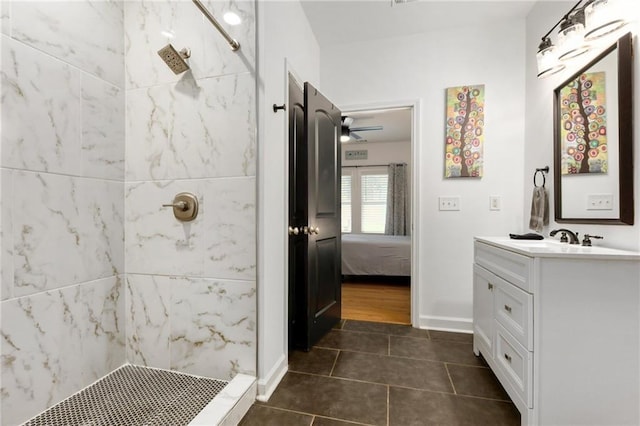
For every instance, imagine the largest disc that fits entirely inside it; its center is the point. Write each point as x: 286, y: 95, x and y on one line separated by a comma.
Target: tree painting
x: 583, y: 129
x: 465, y: 131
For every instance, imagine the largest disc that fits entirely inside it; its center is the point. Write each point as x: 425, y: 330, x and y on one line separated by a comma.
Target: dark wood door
x: 297, y: 215
x: 322, y: 129
x: 314, y: 216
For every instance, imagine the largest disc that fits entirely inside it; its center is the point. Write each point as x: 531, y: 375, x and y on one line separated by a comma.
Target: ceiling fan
x: 348, y: 132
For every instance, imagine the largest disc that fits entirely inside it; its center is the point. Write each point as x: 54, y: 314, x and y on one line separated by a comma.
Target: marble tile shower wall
x: 70, y: 192
x: 190, y: 287
x: 62, y: 200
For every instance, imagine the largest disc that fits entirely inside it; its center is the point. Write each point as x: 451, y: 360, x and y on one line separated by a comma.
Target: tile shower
x: 97, y: 134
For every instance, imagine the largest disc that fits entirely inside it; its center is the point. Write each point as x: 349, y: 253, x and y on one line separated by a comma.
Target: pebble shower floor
x: 134, y: 396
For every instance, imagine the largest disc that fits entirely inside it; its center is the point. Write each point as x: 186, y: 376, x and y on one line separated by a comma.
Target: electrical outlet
x: 449, y: 203
x: 494, y: 202
x: 600, y: 202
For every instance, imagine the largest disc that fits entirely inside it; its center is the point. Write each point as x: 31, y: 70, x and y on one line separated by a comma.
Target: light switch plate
x: 449, y: 203
x: 495, y: 203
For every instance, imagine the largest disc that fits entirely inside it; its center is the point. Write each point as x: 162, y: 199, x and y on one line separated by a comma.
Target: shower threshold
x: 142, y: 396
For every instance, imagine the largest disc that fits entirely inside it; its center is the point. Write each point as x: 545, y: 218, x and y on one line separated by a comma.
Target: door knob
x: 310, y: 230
x: 294, y: 231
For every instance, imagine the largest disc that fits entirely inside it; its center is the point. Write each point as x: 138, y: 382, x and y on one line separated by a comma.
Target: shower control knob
x: 185, y: 206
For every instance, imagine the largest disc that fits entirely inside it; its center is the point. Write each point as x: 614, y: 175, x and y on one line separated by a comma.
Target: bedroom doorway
x: 376, y: 200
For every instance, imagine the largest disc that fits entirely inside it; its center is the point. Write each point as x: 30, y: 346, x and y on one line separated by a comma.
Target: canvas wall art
x: 465, y: 131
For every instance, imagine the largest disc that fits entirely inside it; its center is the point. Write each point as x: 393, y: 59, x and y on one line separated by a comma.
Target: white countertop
x: 554, y: 248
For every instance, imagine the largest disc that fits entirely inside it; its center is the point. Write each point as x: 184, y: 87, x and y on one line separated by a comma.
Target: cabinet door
x: 483, y: 314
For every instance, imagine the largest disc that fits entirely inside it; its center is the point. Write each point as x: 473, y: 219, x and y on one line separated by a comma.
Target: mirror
x: 593, y: 140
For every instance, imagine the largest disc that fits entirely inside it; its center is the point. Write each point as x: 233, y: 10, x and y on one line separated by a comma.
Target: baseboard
x: 268, y: 384
x: 458, y: 325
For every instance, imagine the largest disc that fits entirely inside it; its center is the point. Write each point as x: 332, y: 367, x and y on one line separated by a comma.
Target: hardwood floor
x: 379, y: 302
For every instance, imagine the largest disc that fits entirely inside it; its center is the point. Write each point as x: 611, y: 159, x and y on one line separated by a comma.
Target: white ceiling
x: 349, y: 21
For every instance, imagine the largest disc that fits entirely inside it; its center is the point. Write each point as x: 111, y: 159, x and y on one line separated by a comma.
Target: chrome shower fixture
x: 175, y: 59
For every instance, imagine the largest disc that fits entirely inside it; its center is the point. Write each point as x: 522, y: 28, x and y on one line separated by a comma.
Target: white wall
x: 286, y: 43
x: 539, y: 122
x: 420, y: 68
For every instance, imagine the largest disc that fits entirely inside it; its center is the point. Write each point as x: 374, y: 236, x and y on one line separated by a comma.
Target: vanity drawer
x: 516, y: 365
x: 514, y: 311
x: 513, y: 267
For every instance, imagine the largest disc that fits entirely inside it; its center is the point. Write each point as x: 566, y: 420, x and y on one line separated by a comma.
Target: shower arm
x: 232, y: 42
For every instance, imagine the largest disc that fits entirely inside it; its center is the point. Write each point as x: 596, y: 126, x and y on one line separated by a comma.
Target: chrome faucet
x: 573, y: 237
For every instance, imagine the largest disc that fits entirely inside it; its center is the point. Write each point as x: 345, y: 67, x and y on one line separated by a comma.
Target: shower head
x: 175, y: 59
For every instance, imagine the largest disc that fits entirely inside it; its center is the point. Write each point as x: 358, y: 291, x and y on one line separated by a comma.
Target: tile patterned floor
x: 365, y: 373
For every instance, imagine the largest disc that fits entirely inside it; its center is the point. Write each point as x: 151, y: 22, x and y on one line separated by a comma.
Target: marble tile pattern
x: 62, y: 200
x: 57, y: 342
x: 103, y: 129
x: 5, y: 17
x: 213, y: 327
x: 230, y: 228
x: 183, y: 25
x: 191, y: 286
x: 84, y: 34
x: 192, y: 129
x: 194, y: 325
x: 6, y: 234
x: 41, y: 111
x: 147, y: 307
x: 156, y: 242
x: 219, y: 243
x: 186, y: 301
x: 67, y: 230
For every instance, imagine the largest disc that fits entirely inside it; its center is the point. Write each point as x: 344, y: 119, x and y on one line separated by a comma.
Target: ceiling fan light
x: 547, y: 59
x: 571, y: 41
x: 603, y: 17
x: 344, y: 134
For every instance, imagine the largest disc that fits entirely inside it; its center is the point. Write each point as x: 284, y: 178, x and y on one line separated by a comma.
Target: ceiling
x: 350, y: 21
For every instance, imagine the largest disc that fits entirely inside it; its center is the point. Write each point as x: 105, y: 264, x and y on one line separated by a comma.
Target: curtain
x: 397, y: 193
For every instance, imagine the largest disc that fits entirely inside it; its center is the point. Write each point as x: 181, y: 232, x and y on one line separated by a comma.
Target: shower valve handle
x: 185, y: 206
x: 180, y: 205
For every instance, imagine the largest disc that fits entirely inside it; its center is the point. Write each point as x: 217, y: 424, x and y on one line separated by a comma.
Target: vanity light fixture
x: 585, y: 22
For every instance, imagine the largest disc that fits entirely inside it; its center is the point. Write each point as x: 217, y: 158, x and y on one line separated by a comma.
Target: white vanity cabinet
x: 560, y: 327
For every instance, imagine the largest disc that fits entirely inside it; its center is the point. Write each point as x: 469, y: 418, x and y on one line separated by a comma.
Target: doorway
x: 377, y: 152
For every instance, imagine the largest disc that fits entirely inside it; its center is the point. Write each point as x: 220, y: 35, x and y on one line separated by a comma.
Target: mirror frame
x: 624, y: 45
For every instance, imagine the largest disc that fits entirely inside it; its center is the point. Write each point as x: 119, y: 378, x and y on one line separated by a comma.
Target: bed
x: 375, y: 254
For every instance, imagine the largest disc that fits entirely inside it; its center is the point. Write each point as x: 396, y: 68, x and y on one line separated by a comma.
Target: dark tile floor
x: 367, y: 373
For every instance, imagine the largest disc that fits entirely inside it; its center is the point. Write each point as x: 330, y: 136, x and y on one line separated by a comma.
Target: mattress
x: 374, y: 254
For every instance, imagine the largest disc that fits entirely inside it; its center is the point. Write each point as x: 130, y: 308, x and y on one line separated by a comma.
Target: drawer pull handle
x: 507, y: 308
x: 507, y: 357
x: 490, y: 286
